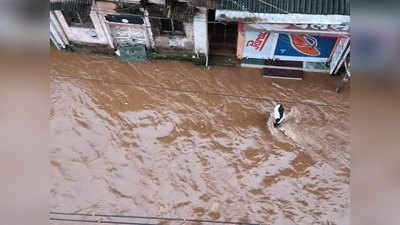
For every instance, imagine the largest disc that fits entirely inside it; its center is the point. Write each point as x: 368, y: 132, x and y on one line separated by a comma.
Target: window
x: 172, y: 27
x: 78, y: 19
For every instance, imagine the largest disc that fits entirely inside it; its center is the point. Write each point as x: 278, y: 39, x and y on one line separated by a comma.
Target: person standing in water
x: 346, y: 77
x: 278, y: 115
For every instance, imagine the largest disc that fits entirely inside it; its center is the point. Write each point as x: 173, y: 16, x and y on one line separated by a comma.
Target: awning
x: 71, y: 5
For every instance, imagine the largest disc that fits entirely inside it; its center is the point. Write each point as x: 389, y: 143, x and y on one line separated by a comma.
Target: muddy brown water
x: 127, y: 140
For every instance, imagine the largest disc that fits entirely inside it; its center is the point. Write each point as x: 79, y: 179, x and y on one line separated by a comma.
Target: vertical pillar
x: 240, y: 41
x: 57, y: 34
x: 149, y: 33
x: 104, y: 26
x: 200, y: 29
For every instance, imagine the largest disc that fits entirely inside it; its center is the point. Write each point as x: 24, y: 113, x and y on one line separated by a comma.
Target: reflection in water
x: 121, y: 147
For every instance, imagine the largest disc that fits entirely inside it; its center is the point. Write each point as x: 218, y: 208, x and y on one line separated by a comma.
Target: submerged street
x: 171, y: 139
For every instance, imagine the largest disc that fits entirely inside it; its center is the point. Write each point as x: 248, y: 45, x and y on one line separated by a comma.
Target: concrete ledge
x: 96, y: 49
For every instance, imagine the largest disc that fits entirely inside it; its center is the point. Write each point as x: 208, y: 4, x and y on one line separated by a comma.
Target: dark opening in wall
x: 172, y: 27
x: 166, y: 25
x: 223, y: 38
x: 211, y: 15
x: 78, y: 18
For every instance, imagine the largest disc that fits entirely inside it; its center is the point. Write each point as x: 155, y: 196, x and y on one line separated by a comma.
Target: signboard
x: 338, y: 53
x: 333, y: 30
x: 258, y: 45
x: 304, y: 47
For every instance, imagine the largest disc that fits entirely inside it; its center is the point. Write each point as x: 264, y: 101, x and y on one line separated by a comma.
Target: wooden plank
x: 338, y: 54
x: 342, y: 60
x: 240, y: 42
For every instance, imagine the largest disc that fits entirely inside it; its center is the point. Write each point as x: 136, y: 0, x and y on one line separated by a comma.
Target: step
x: 281, y: 63
x: 274, y: 64
x: 223, y: 61
x: 282, y: 73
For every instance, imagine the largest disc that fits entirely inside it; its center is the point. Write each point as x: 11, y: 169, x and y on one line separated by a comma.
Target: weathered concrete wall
x: 81, y: 35
x: 108, y: 7
x: 126, y: 34
x: 144, y: 33
x: 178, y: 42
x: 138, y: 1
x: 129, y: 34
x: 162, y: 2
x: 200, y: 29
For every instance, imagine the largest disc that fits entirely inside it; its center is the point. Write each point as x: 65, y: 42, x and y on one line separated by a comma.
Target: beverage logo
x: 305, y: 44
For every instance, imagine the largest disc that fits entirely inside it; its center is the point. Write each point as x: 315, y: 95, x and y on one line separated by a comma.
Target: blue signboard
x: 304, y: 47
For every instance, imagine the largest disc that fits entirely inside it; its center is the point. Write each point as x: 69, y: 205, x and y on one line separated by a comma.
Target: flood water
x: 171, y: 139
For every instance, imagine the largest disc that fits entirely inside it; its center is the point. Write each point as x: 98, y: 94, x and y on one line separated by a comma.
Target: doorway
x: 222, y: 36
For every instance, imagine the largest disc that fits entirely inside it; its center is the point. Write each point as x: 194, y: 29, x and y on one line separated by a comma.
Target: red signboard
x: 259, y: 43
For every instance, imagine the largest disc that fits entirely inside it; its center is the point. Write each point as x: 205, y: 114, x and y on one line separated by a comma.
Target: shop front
x: 298, y: 47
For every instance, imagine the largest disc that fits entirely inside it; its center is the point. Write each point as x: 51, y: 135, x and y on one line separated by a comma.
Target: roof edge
x: 229, y: 15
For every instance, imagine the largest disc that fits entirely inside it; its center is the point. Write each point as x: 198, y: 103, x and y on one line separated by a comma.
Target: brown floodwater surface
x: 171, y: 139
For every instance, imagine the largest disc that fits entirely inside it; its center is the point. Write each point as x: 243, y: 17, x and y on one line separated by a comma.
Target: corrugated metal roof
x: 315, y: 7
x: 70, y: 5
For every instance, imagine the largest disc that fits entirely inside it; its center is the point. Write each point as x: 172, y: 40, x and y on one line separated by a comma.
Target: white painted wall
x: 200, y: 29
x: 84, y: 35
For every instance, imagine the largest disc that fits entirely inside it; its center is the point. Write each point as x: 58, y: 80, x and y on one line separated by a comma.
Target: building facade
x: 159, y: 25
x: 255, y: 33
x: 291, y: 34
